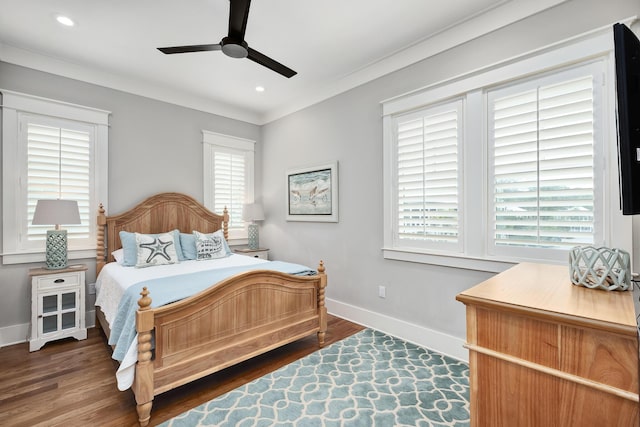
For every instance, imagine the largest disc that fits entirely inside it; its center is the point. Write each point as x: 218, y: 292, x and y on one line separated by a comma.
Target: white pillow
x: 156, y: 250
x: 118, y: 255
x: 210, y: 246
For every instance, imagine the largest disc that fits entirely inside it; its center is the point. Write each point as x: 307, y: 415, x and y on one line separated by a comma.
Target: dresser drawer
x: 255, y: 253
x: 57, y: 280
x: 600, y: 356
x: 518, y: 336
x: 261, y: 255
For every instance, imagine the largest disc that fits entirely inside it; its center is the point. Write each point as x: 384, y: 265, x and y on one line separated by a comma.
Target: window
x: 58, y: 167
x: 50, y: 150
x: 228, y: 178
x: 523, y: 166
x: 428, y: 171
x: 543, y: 147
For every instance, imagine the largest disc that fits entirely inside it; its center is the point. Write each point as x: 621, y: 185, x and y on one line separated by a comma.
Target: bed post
x: 321, y: 306
x: 102, y: 221
x: 225, y: 223
x: 143, y: 382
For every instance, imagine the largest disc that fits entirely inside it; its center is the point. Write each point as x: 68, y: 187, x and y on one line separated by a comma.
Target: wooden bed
x: 241, y: 317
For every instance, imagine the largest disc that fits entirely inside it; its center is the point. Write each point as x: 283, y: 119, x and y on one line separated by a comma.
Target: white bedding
x: 114, y: 279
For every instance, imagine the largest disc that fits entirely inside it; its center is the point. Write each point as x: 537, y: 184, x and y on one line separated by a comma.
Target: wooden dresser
x: 543, y: 352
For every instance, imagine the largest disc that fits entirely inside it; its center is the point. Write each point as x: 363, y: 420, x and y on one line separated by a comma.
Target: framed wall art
x: 312, y: 193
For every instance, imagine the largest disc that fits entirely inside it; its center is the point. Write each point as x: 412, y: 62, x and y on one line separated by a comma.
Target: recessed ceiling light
x: 65, y: 20
x: 259, y: 89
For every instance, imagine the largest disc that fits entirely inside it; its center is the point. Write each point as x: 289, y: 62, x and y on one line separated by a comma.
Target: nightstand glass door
x: 58, y: 312
x: 49, y: 313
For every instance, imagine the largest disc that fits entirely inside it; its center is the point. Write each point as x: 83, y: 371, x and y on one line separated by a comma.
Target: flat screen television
x: 627, y: 56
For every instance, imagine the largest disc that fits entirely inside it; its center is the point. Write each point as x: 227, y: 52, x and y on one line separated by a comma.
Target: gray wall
x: 348, y: 128
x: 163, y: 139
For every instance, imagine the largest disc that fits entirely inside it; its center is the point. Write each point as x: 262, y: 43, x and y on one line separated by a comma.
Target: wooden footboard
x: 242, y: 317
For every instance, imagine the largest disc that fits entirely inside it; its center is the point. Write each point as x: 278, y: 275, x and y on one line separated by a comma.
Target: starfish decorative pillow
x: 158, y: 249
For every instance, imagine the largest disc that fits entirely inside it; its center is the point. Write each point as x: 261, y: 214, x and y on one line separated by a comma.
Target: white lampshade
x: 56, y: 212
x: 252, y: 212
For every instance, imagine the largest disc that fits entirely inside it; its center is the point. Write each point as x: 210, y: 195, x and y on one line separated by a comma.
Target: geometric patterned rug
x: 368, y: 379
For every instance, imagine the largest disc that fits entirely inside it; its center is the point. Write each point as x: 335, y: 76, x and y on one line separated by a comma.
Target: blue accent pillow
x: 188, y: 243
x: 130, y: 247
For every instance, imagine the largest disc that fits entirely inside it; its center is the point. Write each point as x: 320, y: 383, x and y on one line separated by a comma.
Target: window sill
x: 238, y: 242
x: 448, y: 260
x: 31, y: 257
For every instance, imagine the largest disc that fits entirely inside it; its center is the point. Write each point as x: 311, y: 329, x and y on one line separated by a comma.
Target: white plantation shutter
x: 58, y: 166
x: 229, y: 185
x: 427, y: 172
x: 543, y: 145
x: 228, y: 178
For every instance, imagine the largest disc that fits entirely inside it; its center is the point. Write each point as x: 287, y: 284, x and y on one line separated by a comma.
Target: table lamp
x: 56, y: 212
x: 253, y: 212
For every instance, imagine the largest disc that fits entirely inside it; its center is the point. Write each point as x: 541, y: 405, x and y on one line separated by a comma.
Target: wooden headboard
x: 157, y: 214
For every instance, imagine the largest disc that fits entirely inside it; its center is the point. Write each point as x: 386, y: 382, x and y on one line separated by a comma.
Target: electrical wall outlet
x: 382, y: 291
x: 91, y: 288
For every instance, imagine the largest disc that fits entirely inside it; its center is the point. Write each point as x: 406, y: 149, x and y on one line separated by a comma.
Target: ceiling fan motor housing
x: 234, y: 48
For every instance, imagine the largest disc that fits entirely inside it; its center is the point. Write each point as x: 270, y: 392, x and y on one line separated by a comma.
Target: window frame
x: 212, y: 142
x: 592, y: 47
x: 16, y: 107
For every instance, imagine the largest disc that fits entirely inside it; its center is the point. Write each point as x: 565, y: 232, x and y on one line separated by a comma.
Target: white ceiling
x: 334, y: 45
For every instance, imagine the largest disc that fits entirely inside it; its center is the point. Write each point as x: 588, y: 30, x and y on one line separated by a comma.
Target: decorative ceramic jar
x: 600, y: 268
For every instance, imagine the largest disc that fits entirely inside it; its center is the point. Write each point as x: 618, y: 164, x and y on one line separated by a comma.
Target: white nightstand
x: 262, y: 253
x: 57, y: 305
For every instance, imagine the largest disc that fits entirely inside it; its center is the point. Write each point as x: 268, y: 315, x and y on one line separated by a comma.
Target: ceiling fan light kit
x: 234, y: 49
x: 234, y: 44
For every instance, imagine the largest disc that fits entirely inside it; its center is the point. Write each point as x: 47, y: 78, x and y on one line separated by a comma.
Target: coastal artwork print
x: 312, y: 194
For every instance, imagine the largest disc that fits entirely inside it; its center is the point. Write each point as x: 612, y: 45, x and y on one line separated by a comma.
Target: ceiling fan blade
x: 238, y: 16
x: 187, y: 49
x: 272, y: 64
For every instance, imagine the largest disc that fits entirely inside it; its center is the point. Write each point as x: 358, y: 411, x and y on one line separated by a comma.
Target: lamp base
x: 56, y: 257
x: 253, y: 242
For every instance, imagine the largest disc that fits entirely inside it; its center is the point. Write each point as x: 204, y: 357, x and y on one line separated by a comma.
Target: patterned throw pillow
x: 210, y: 246
x: 156, y: 249
x: 130, y: 246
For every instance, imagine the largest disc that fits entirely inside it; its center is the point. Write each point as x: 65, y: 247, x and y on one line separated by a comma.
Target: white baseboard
x: 424, y: 337
x: 16, y: 334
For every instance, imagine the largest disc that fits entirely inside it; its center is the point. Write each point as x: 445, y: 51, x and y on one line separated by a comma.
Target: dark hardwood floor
x: 72, y: 383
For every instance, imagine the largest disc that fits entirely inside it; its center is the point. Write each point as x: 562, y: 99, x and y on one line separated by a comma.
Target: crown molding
x: 129, y: 84
x: 500, y: 16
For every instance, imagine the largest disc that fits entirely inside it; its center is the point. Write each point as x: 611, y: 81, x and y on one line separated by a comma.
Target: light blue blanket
x: 170, y: 289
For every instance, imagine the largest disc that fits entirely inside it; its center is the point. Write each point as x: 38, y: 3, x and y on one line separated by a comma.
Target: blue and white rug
x: 368, y: 379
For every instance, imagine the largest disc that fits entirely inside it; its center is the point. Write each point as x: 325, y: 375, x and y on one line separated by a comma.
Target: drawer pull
x: 58, y: 281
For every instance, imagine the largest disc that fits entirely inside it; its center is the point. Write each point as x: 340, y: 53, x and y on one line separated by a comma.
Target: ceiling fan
x: 234, y: 44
